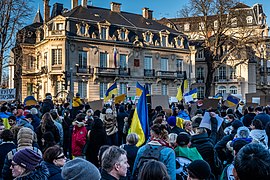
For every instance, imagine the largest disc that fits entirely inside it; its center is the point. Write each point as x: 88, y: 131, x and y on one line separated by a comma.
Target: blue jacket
x: 167, y: 156
x: 40, y: 173
x: 55, y: 171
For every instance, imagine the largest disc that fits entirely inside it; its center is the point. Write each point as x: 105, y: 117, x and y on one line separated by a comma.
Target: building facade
x: 235, y: 76
x: 86, y: 49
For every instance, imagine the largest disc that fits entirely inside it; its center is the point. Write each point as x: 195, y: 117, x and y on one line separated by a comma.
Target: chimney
x: 57, y: 9
x: 46, y: 10
x: 115, y: 7
x: 147, y: 13
x: 84, y: 3
x: 74, y: 3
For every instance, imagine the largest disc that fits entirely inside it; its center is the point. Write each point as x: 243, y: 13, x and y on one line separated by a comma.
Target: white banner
x: 7, y: 94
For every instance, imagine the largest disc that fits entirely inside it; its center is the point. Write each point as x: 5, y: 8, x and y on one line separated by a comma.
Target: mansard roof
x: 240, y: 6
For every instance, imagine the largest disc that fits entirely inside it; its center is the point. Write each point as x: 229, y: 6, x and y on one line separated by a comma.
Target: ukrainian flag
x: 112, y: 90
x: 184, y: 83
x: 139, y: 89
x: 139, y: 123
x: 179, y: 95
x: 191, y: 95
x: 232, y: 101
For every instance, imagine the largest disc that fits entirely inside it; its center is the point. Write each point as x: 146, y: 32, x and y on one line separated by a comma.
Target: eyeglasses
x: 13, y: 164
x: 61, y: 157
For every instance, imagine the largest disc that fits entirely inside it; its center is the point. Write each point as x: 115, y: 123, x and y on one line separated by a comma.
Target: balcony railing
x: 149, y: 72
x: 166, y: 74
x: 106, y: 71
x: 85, y: 70
x: 200, y: 79
x: 124, y: 71
x: 57, y: 32
x: 226, y: 79
x: 181, y: 74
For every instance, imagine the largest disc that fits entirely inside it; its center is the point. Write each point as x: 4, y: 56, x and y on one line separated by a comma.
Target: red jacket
x: 78, y: 139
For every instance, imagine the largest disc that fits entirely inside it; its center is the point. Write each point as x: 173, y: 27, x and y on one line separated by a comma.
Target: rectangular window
x: 123, y: 60
x: 222, y: 73
x: 200, y: 54
x: 163, y: 41
x: 82, y: 29
x: 148, y: 62
x: 200, y: 72
x: 186, y: 27
x: 102, y: 89
x: 59, y: 86
x: 103, y: 59
x: 232, y: 73
x: 123, y: 88
x: 147, y: 38
x: 29, y: 89
x: 164, y: 64
x: 179, y: 64
x: 83, y: 59
x: 201, y: 26
x: 103, y: 33
x: 56, y: 56
x: 60, y: 26
x: 200, y: 92
x: 30, y: 62
x: 82, y: 89
x: 123, y: 35
x: 164, y: 90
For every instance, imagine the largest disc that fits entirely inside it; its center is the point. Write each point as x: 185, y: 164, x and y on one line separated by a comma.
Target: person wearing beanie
x: 47, y: 104
x: 172, y: 128
x: 183, y: 150
x: 26, y: 164
x: 76, y: 105
x: 25, y: 139
x: 35, y: 118
x: 199, y: 169
x: 80, y: 169
x: 26, y: 122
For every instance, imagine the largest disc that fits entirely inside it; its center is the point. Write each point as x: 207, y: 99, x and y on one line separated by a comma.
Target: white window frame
x: 164, y: 64
x: 123, y: 61
x: 123, y: 88
x: 201, y: 26
x: 164, y: 89
x: 103, y: 33
x: 200, y: 72
x: 102, y: 89
x: 216, y: 24
x: 164, y: 38
x: 105, y: 60
x: 222, y: 72
x: 83, y: 59
x: 148, y: 65
x: 200, y: 92
x: 179, y: 64
x: 57, y: 56
x: 186, y: 27
x: 222, y: 90
x: 233, y: 89
x: 249, y: 20
x: 82, y: 89
x: 60, y: 26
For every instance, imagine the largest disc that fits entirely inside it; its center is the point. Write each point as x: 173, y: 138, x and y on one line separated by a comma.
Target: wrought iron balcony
x: 166, y: 74
x: 149, y: 72
x: 124, y: 71
x: 227, y: 79
x: 85, y: 70
x: 105, y: 71
x: 200, y: 79
x: 181, y: 74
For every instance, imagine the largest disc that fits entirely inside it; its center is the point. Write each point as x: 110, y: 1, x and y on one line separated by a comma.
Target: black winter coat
x: 55, y: 172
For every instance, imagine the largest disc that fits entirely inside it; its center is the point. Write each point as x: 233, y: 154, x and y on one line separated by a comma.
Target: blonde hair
x: 132, y: 138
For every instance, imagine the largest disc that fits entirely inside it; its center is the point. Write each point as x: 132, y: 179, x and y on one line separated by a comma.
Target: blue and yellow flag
x: 139, y: 123
x: 112, y: 90
x: 184, y: 85
x: 232, y: 101
x: 179, y: 95
x: 139, y: 89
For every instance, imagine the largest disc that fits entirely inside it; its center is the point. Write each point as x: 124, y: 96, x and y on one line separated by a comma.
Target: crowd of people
x: 54, y: 141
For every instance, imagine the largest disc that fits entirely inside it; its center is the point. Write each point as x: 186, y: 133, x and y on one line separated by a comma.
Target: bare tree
x: 13, y: 15
x: 220, y: 28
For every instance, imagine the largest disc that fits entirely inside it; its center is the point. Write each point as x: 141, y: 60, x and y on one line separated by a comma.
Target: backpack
x: 181, y: 167
x: 150, y: 153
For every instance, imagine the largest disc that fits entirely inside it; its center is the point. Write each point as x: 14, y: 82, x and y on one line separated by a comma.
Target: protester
x: 47, y: 104
x: 153, y: 170
x: 172, y: 128
x: 247, y: 119
x: 120, y: 124
x: 262, y: 116
x: 26, y: 165
x: 110, y: 124
x: 252, y: 162
x: 258, y: 133
x: 76, y: 105
x: 54, y: 160
x: 199, y: 169
x: 114, y: 163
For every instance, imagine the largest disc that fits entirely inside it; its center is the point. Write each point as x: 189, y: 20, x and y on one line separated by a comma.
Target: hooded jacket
x: 76, y: 102
x: 259, y: 136
x: 78, y: 140
x: 40, y: 173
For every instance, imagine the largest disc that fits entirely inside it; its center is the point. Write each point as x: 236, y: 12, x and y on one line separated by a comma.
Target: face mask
x: 226, y: 121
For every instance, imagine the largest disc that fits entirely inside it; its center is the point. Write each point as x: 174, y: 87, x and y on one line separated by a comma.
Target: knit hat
x: 236, y: 124
x: 80, y: 169
x: 200, y: 169
x: 238, y: 144
x: 172, y: 121
x: 77, y: 94
x: 109, y: 111
x: 183, y: 138
x: 27, y: 158
x: 25, y: 137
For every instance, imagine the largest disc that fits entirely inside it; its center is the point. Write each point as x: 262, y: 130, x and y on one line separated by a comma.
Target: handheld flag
x: 232, y: 101
x: 119, y: 99
x: 179, y: 95
x: 112, y: 90
x: 191, y: 95
x: 139, y: 123
x: 218, y: 96
x: 139, y: 89
x: 184, y: 83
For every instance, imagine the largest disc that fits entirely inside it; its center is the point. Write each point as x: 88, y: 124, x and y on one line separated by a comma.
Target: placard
x: 206, y: 122
x: 160, y: 100
x: 7, y: 94
x: 119, y: 99
x: 96, y: 105
x: 210, y: 103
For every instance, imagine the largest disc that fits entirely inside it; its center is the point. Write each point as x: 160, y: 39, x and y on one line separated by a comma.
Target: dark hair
x: 12, y: 118
x: 54, y: 115
x: 183, y: 139
x: 158, y: 128
x: 6, y: 135
x: 153, y: 170
x: 102, y: 149
x: 231, y: 116
x: 250, y: 108
x: 253, y: 162
x: 180, y: 106
x: 52, y: 153
x: 97, y: 113
x: 259, y: 108
x: 4, y: 108
x: 257, y: 123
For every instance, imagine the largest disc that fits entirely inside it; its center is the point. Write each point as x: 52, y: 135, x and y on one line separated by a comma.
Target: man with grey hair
x: 114, y: 163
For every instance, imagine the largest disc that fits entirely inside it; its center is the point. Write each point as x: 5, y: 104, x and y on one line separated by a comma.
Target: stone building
x: 86, y: 49
x: 235, y: 76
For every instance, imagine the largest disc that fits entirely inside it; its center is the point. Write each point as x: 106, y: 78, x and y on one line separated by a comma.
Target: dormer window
x: 59, y: 26
x: 249, y: 20
x: 186, y: 27
x: 179, y: 41
x: 148, y: 37
x: 201, y: 26
x: 122, y: 34
x: 164, y: 38
x: 82, y: 29
x: 104, y: 30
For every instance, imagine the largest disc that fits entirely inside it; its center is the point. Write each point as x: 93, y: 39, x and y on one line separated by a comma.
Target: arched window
x: 200, y: 92
x: 233, y: 90
x: 222, y: 89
